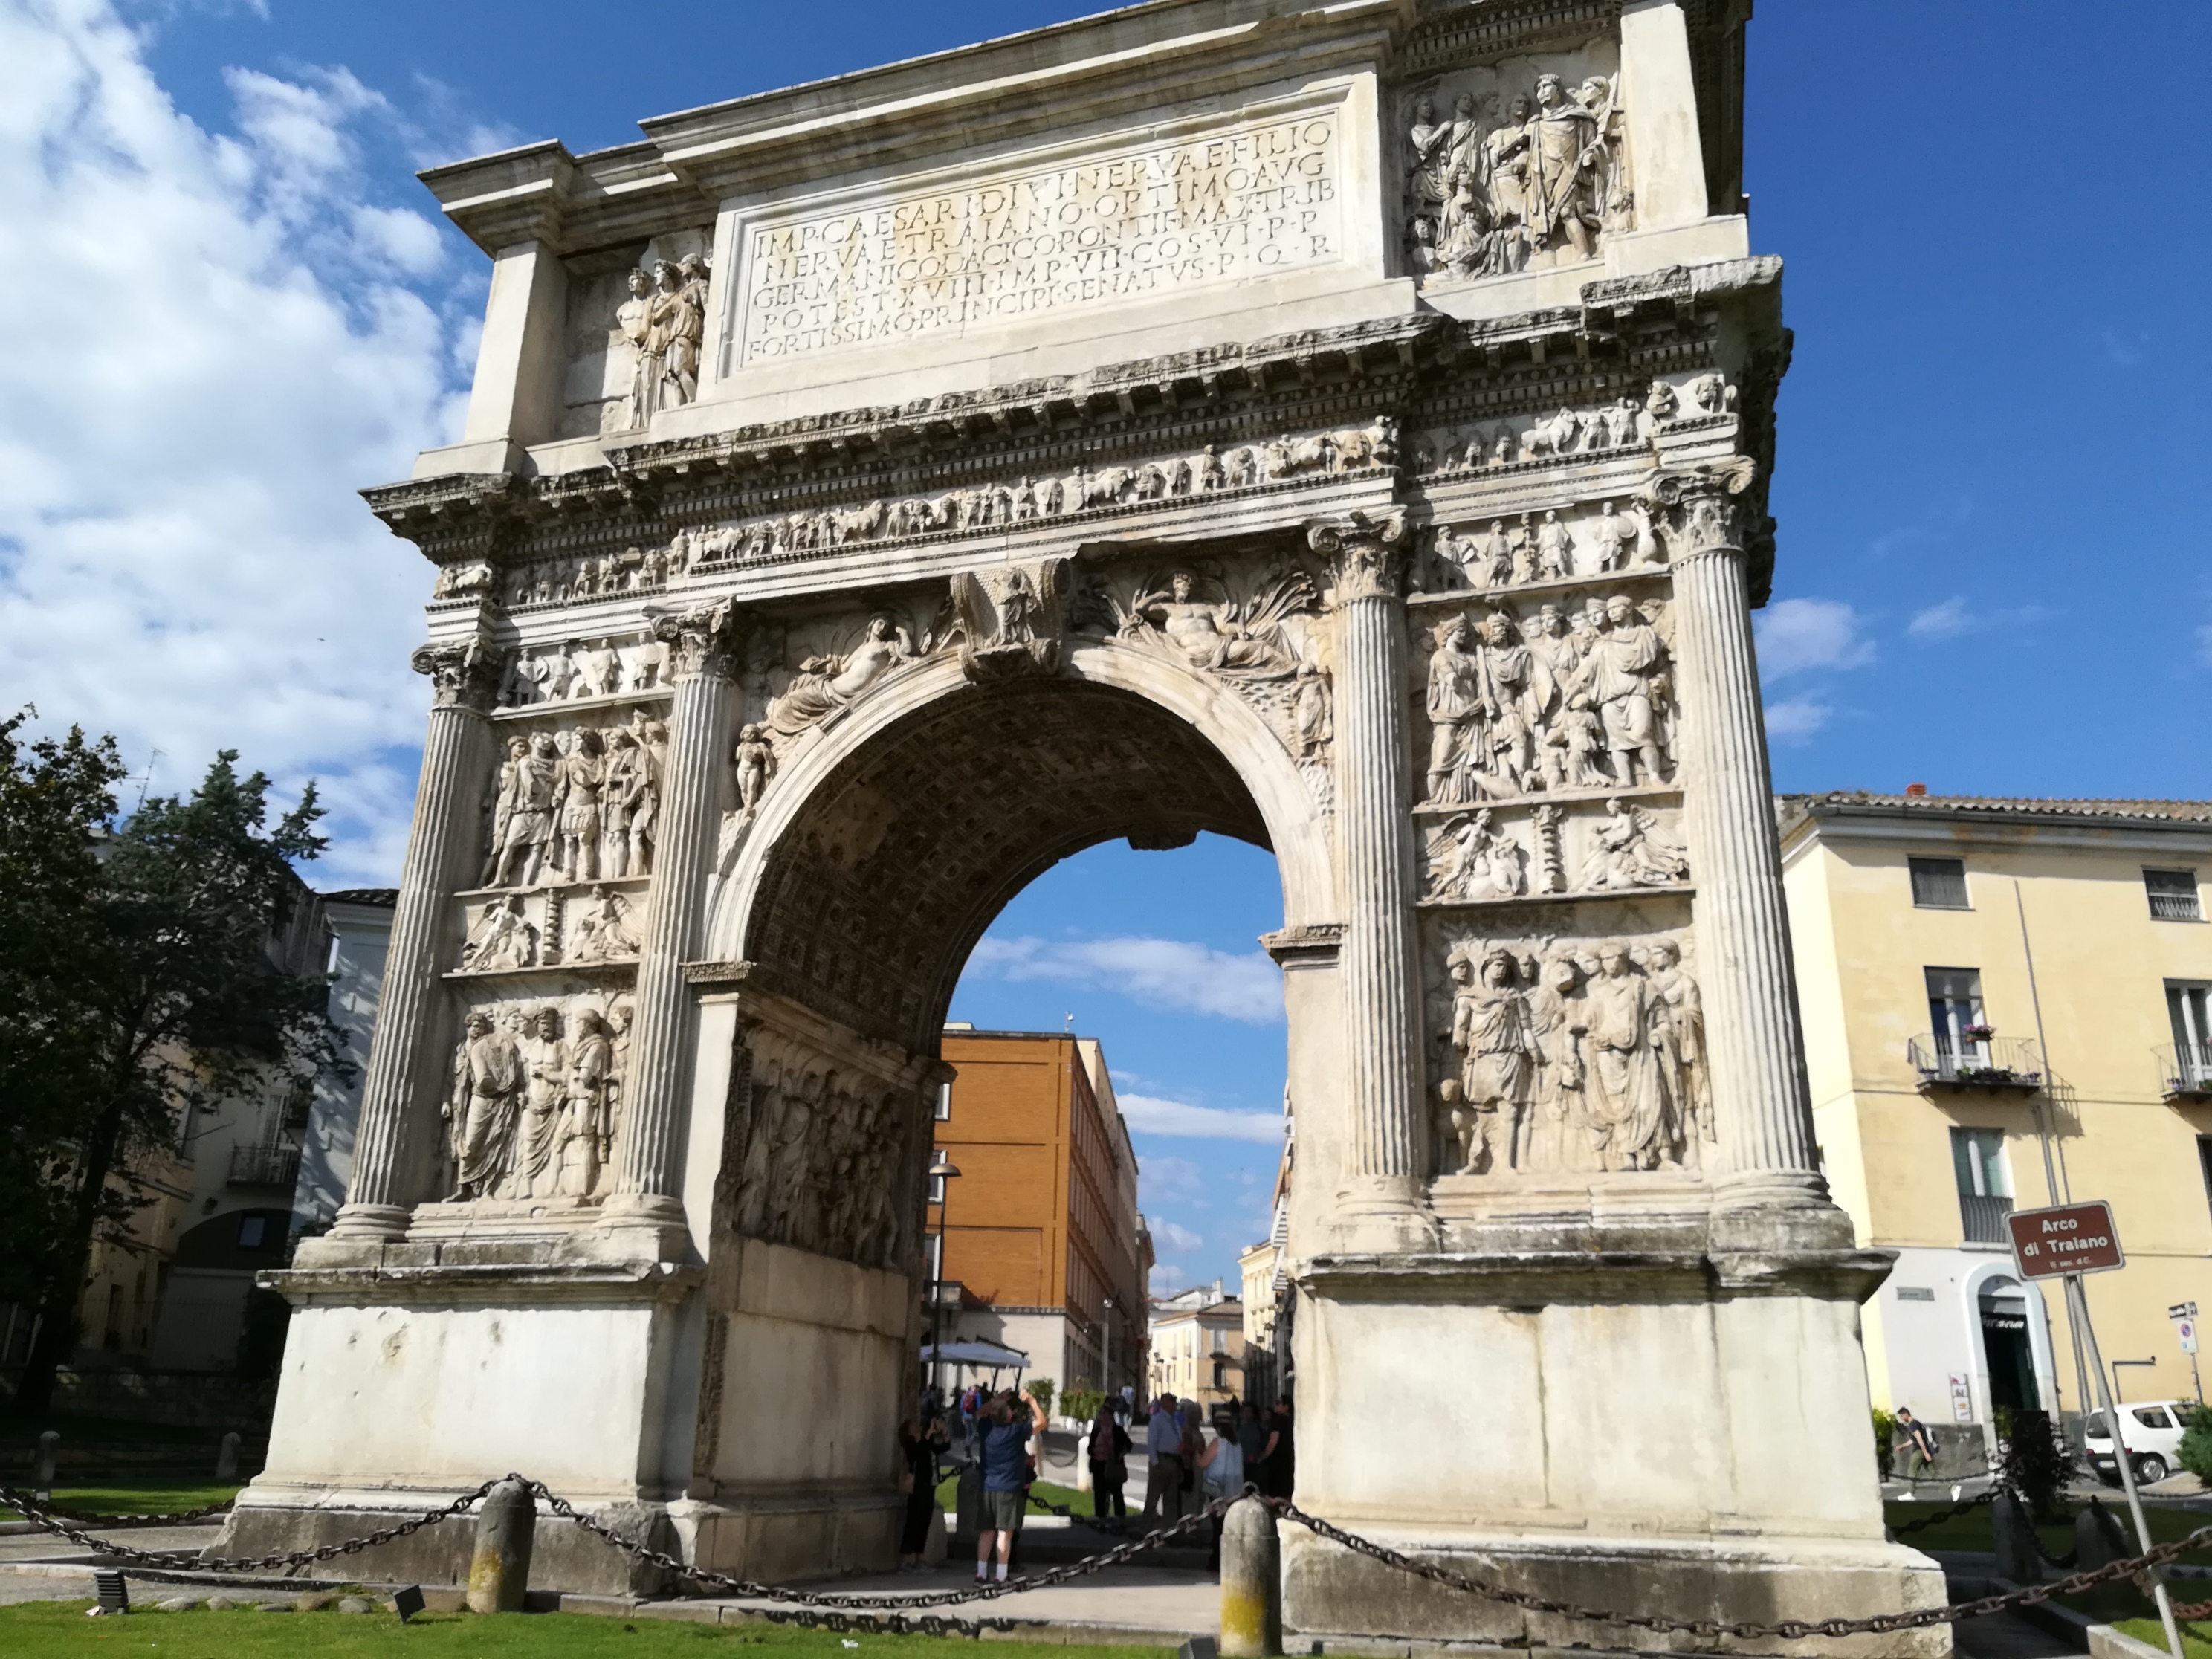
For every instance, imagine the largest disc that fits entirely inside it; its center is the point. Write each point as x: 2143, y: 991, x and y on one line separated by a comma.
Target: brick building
x: 1042, y: 1247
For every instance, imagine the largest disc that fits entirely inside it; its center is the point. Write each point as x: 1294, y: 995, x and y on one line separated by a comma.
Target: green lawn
x: 1079, y: 1502
x: 38, y: 1629
x: 1971, y: 1531
x: 2196, y: 1639
x: 137, y: 1499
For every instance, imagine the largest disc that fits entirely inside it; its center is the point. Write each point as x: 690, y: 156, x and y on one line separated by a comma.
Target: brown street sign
x: 2073, y: 1238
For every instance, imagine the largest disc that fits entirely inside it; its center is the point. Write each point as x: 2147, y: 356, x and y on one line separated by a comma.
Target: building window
x: 252, y: 1231
x: 943, y: 1102
x: 936, y: 1190
x: 1939, y: 883
x: 2173, y: 895
x: 2189, y: 1011
x: 1220, y: 1341
x: 936, y: 1256
x: 1954, y: 1013
x: 1984, y: 1190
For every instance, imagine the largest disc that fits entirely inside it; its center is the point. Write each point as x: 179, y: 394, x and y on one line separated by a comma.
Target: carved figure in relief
x: 1577, y: 736
x: 1560, y: 1135
x: 582, y: 777
x: 1617, y: 672
x: 502, y: 807
x: 629, y: 801
x: 500, y: 939
x: 1511, y: 685
x: 1631, y: 1096
x: 1310, y: 723
x: 545, y: 1095
x: 1455, y: 703
x: 1554, y: 550
x: 1490, y: 1030
x: 755, y: 761
x: 1244, y: 641
x: 678, y: 327
x: 1626, y: 850
x: 488, y: 1084
x: 1687, y: 1017
x: 826, y: 684
x: 531, y: 787
x: 1480, y: 861
x: 633, y: 328
x: 1615, y: 537
x: 598, y: 671
x: 586, y: 1131
x: 1660, y: 401
x: 606, y: 932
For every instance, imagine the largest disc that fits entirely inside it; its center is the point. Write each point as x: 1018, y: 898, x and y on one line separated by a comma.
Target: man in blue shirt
x: 1006, y: 1432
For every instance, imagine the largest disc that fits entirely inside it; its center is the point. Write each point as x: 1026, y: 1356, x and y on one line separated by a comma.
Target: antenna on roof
x: 147, y: 782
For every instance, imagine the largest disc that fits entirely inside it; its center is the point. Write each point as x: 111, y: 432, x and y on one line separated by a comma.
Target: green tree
x: 158, y: 986
x: 1040, y: 1388
x: 2194, y: 1452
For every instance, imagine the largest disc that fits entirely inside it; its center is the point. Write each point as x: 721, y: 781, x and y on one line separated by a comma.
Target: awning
x: 989, y: 1356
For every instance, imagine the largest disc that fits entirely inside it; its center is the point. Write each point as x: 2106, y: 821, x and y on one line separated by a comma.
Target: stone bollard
x: 968, y: 1504
x: 2098, y: 1542
x: 226, y: 1461
x: 1251, y: 1583
x: 499, y: 1570
x: 2013, y: 1531
x: 43, y: 1485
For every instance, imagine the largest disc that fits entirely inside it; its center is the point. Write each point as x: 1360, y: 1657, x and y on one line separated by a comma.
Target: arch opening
x: 873, y: 896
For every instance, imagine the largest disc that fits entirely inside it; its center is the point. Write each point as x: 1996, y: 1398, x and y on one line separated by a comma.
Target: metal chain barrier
x: 1713, y: 1629
x: 1965, y: 1507
x: 185, y: 1518
x: 832, y: 1611
x: 16, y: 1497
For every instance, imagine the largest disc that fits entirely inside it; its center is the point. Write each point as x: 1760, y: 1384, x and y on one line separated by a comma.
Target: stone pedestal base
x: 1640, y: 1410
x: 734, y: 1417
x: 1328, y: 1590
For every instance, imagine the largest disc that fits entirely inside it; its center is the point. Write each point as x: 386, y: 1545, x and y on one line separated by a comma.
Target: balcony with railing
x: 265, y: 1166
x: 1987, y: 1062
x: 2185, y: 1071
x: 1981, y: 1219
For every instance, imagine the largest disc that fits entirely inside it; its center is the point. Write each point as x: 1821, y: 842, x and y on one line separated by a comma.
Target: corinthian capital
x: 1365, y: 554
x: 699, y: 640
x: 464, y: 674
x: 1701, y: 510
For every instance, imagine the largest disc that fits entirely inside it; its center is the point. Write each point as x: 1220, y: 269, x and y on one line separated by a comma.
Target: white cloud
x: 1161, y: 1178
x: 229, y: 352
x: 1148, y: 1114
x: 1178, y: 1239
x: 1160, y: 973
x: 1795, y: 719
x: 1797, y: 636
x: 1941, y: 622
x: 1167, y: 1278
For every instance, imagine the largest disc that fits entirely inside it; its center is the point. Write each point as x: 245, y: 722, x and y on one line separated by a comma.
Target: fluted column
x: 699, y: 731
x: 1763, y: 1115
x: 1382, y: 1164
x: 393, y: 1137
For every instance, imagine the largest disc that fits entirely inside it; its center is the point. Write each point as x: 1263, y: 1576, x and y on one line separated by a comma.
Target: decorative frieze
x: 534, y: 1105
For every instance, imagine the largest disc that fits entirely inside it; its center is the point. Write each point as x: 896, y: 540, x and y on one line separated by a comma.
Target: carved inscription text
x: 1252, y: 200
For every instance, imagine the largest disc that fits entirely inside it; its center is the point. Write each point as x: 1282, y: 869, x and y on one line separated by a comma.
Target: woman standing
x: 918, y: 1480
x: 1110, y: 1467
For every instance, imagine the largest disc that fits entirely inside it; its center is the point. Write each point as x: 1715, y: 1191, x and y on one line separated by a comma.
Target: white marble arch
x: 1297, y: 830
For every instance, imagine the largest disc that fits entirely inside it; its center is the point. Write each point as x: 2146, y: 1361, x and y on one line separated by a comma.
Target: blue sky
x: 232, y: 306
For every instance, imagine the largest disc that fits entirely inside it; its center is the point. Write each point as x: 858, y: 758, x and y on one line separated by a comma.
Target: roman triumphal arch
x: 1345, y: 427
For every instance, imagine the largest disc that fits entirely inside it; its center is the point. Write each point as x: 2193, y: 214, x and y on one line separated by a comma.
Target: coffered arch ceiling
x: 876, y: 894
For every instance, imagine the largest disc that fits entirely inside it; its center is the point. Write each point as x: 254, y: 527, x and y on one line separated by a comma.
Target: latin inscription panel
x: 1127, y: 225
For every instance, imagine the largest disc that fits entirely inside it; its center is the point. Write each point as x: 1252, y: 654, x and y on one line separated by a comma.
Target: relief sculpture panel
x: 1516, y: 167
x: 576, y: 803
x: 1579, y: 1057
x: 1260, y: 199
x: 534, y: 1103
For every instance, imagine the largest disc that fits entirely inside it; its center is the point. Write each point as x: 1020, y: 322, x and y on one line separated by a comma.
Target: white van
x: 2152, y: 1430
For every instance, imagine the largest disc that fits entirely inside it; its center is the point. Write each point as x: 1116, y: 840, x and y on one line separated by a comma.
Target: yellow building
x: 2005, y: 1007
x: 1198, y: 1346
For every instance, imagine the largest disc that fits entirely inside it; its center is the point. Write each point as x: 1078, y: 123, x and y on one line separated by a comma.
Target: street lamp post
x: 1106, y: 1362
x: 941, y: 1169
